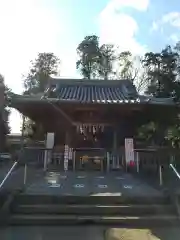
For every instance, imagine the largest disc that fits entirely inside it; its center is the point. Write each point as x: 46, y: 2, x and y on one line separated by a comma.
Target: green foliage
x: 6, y: 110
x: 106, y: 60
x: 4, y: 114
x: 33, y: 130
x: 147, y: 132
x: 95, y: 61
x: 173, y: 135
x: 156, y: 73
x: 88, y: 52
x: 161, y: 72
x: 45, y: 65
x: 126, y: 65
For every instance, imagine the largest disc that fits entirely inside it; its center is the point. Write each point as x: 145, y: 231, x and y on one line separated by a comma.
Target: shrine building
x: 92, y: 115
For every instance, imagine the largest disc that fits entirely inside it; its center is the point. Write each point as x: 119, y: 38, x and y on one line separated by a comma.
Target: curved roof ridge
x: 90, y: 82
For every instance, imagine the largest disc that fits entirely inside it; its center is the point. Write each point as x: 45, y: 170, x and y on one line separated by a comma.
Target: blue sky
x: 32, y: 26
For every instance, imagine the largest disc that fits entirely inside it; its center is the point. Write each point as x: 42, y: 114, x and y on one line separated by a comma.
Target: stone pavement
x: 15, y: 180
x: 89, y: 183
x: 78, y: 183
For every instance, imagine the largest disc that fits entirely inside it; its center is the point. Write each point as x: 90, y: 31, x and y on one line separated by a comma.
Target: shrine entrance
x: 89, y: 154
x: 89, y: 159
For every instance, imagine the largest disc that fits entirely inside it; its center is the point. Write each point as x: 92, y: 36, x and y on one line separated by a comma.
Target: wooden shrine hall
x: 91, y: 117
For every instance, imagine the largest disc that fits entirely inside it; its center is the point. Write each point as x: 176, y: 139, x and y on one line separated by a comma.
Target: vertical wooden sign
x: 129, y: 150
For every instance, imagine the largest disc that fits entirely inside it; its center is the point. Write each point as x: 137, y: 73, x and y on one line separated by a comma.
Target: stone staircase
x: 141, y: 212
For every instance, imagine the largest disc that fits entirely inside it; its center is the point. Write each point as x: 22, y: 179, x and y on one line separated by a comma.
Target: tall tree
x: 162, y: 76
x: 161, y: 71
x: 95, y: 61
x: 45, y: 65
x: 125, y: 60
x: 4, y: 114
x: 106, y: 61
x: 88, y: 52
x: 130, y: 67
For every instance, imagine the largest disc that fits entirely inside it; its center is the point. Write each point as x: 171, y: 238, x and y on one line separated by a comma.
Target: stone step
x: 101, y: 199
x: 123, y: 221
x: 128, y: 210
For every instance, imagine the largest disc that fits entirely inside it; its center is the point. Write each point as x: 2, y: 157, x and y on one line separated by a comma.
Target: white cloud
x: 28, y: 27
x: 174, y: 38
x: 154, y: 27
x: 31, y: 26
x: 172, y: 19
x: 119, y: 28
x: 140, y: 5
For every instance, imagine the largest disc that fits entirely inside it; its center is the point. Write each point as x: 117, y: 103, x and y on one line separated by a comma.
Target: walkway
x: 91, y: 183
x: 78, y: 183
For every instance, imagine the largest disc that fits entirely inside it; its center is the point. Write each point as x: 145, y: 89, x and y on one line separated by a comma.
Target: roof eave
x: 15, y: 99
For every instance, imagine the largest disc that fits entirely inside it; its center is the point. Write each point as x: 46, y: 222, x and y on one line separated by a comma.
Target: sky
x: 28, y: 27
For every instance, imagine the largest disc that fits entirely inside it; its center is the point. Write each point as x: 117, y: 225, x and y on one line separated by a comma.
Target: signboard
x: 129, y: 150
x: 70, y: 153
x: 66, y: 157
x: 50, y: 140
x: 49, y: 145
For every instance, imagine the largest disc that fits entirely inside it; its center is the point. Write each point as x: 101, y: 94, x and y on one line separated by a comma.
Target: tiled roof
x: 157, y: 101
x: 91, y: 91
x: 100, y: 91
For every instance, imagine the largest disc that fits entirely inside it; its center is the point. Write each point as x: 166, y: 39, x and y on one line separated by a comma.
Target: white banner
x: 70, y: 153
x: 129, y: 150
x: 66, y: 157
x: 50, y: 140
x: 49, y: 145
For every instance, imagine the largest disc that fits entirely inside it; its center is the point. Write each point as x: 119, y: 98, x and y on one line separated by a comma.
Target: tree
x: 126, y: 65
x: 107, y: 57
x: 88, y: 52
x: 4, y: 114
x: 161, y: 72
x: 162, y: 77
x: 45, y: 65
x: 95, y: 61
